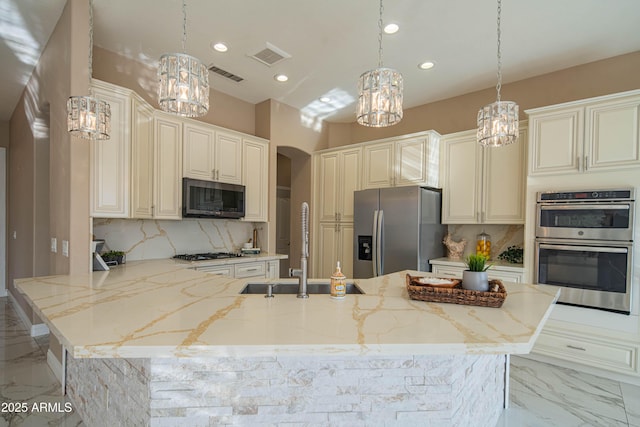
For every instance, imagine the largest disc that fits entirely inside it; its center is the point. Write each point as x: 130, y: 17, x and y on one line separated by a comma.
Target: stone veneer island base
x: 155, y: 343
x: 456, y: 390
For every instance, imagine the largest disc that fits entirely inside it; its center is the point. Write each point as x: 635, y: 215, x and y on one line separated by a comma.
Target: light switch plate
x: 65, y: 248
x: 54, y: 244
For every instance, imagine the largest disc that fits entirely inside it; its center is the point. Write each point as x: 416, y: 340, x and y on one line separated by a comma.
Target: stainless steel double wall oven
x: 584, y: 243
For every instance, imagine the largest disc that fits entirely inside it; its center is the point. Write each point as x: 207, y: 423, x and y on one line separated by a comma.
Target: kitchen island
x: 154, y: 343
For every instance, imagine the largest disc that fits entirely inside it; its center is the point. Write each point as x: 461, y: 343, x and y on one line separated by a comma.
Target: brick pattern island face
x: 465, y: 390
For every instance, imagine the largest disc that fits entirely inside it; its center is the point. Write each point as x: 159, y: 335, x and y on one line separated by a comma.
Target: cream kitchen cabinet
x: 109, y: 178
x: 337, y: 176
x: 243, y: 270
x: 412, y: 160
x: 167, y: 171
x: 211, y: 153
x: 335, y: 244
x: 506, y: 273
x: 483, y: 185
x: 255, y: 178
x: 589, y: 135
x: 142, y: 159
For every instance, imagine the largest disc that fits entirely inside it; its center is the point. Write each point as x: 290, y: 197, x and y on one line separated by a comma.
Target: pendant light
x: 379, y: 92
x: 498, y: 122
x: 183, y: 80
x: 89, y: 117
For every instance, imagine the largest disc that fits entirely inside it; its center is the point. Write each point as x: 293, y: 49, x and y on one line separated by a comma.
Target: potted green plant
x: 112, y: 257
x: 475, y: 276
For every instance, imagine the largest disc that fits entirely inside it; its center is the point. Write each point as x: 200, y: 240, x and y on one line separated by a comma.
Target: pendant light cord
x: 380, y: 37
x: 184, y: 26
x: 90, y: 46
x: 499, y: 85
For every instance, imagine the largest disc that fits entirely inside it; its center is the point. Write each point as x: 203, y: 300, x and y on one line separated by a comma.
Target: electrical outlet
x: 54, y: 244
x: 65, y: 248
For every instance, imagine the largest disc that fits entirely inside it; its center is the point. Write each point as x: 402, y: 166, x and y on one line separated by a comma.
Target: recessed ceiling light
x: 426, y: 65
x: 325, y: 99
x: 281, y: 78
x: 220, y: 47
x: 391, y: 28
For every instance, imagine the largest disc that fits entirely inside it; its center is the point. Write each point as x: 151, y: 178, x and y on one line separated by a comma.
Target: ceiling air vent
x: 270, y: 55
x: 226, y: 74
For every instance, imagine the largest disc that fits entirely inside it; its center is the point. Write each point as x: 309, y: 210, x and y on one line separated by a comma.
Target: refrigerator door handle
x: 380, y: 243
x: 374, y: 242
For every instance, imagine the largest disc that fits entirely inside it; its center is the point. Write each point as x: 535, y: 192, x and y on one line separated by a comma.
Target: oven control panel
x: 590, y: 195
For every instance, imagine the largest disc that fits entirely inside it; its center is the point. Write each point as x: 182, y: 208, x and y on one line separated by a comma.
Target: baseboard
x: 616, y: 376
x: 34, y: 330
x: 55, y: 365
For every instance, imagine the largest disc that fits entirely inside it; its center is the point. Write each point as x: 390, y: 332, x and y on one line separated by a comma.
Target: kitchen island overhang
x: 160, y: 324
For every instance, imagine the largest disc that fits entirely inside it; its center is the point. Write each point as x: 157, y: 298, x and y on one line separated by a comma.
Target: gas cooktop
x: 206, y: 256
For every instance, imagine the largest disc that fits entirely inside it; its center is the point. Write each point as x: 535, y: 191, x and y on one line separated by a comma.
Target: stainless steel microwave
x: 209, y: 199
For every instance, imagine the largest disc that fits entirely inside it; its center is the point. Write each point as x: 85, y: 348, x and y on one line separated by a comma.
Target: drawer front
x: 505, y: 276
x: 598, y: 354
x: 226, y: 270
x: 254, y: 269
x: 447, y: 271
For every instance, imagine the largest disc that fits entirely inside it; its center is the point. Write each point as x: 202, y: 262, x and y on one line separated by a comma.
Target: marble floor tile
x: 631, y: 397
x: 25, y: 378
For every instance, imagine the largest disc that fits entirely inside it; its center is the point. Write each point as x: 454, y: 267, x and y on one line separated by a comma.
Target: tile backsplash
x: 502, y: 236
x: 153, y: 239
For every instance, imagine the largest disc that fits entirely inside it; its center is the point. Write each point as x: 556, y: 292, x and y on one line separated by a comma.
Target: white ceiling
x: 331, y: 42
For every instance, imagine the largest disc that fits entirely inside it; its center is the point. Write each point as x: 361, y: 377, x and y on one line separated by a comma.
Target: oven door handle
x: 584, y: 248
x: 580, y: 206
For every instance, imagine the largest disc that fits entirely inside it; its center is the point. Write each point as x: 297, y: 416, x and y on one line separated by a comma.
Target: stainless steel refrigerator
x: 396, y: 229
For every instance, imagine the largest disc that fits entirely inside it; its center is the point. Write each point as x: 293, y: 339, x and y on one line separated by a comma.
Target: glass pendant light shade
x: 498, y: 124
x: 379, y: 92
x: 88, y: 117
x: 183, y: 85
x: 379, y: 98
x: 183, y: 81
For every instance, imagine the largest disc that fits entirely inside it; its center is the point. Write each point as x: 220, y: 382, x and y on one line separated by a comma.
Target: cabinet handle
x: 586, y: 163
x: 252, y: 269
x: 339, y: 216
x: 335, y: 216
x: 576, y: 347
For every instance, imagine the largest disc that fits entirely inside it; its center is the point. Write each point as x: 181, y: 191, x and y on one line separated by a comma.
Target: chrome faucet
x: 302, y: 272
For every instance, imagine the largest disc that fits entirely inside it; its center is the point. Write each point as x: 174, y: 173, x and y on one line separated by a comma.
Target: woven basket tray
x: 457, y: 295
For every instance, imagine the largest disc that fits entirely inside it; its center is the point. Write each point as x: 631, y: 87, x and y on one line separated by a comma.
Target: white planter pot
x: 475, y: 280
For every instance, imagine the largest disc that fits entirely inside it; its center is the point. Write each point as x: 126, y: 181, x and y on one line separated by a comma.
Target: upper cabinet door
x: 504, y: 182
x: 168, y: 170
x: 228, y: 157
x: 198, y: 151
x: 613, y: 134
x: 328, y: 185
x: 110, y: 159
x: 142, y: 160
x: 379, y: 167
x: 411, y: 159
x: 350, y: 175
x: 461, y: 189
x: 556, y: 142
x: 255, y: 179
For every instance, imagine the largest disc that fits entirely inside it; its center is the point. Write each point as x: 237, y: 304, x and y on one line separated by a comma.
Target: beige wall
x: 617, y: 74
x: 4, y: 133
x: 39, y: 142
x: 224, y: 110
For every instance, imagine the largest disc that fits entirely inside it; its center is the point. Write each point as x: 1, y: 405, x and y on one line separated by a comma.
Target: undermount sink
x: 291, y: 287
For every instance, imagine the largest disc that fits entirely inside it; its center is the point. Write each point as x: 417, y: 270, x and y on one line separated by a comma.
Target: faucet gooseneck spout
x: 302, y: 272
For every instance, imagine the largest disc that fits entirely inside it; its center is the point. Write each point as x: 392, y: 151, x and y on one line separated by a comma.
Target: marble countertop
x: 495, y: 263
x: 158, y: 308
